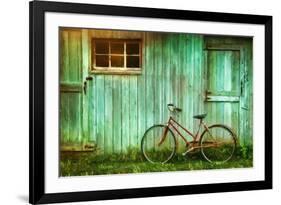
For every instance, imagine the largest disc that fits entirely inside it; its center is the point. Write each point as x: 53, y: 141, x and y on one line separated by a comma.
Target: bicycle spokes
x: 158, y: 144
x: 217, y: 144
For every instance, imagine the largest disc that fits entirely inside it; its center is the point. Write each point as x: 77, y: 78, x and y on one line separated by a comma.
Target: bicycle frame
x: 171, y: 124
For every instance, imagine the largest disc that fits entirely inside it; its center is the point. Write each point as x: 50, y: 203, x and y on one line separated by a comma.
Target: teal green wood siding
x: 70, y: 87
x: 124, y: 106
x: 120, y: 108
x: 237, y: 52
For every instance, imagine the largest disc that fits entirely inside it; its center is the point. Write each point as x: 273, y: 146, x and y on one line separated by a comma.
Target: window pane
x: 117, y: 48
x: 102, y: 47
x: 133, y: 61
x: 132, y: 48
x: 102, y: 61
x: 117, y: 61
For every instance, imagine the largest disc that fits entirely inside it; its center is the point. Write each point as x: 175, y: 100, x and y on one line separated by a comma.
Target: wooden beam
x: 223, y: 98
x: 71, y: 87
x: 117, y: 72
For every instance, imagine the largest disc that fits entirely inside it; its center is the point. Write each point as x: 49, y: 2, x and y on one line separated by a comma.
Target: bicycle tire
x: 152, y: 151
x: 224, y: 143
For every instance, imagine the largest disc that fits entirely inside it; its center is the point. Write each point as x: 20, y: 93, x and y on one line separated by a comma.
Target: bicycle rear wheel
x: 218, y: 143
x: 158, y: 144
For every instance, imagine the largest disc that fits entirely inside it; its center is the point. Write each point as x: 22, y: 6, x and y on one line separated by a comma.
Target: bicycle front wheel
x: 158, y: 144
x: 218, y: 143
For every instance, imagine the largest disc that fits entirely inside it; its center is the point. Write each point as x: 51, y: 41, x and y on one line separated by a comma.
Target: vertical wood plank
x: 75, y: 60
x: 133, y: 112
x: 125, y: 137
x: 64, y: 56
x: 86, y: 97
x: 74, y: 117
x: 149, y: 87
x: 165, y: 76
x: 93, y: 114
x: 149, y: 81
x: 117, y: 114
x: 201, y: 75
x: 187, y: 82
x: 141, y: 103
x: 191, y: 83
x: 249, y: 89
x: 100, y: 109
x: 108, y: 122
x: 64, y: 116
x: 157, y: 76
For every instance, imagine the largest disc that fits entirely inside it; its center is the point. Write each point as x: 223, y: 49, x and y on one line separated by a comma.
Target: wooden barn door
x: 222, y: 94
x: 71, y: 89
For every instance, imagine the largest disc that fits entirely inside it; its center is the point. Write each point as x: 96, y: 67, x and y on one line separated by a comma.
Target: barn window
x: 116, y: 56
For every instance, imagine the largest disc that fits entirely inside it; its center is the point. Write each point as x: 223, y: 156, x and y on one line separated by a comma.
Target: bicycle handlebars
x: 173, y: 108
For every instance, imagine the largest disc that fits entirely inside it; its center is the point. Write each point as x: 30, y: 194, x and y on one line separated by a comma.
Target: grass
x: 90, y: 163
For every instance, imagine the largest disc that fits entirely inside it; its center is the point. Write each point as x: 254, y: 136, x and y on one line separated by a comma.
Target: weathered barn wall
x: 124, y: 106
x: 117, y: 109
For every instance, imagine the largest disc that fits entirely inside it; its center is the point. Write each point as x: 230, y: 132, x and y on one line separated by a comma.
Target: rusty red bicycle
x: 217, y: 142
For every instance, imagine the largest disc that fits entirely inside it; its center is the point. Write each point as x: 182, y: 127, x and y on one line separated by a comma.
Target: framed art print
x: 139, y: 102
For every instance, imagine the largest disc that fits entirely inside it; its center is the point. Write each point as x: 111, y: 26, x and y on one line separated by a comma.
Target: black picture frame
x: 37, y: 11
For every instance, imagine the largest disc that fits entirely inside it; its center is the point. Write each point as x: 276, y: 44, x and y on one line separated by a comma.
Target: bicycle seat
x: 200, y: 117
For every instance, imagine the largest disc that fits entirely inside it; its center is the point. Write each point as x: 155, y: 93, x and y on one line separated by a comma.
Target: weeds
x: 91, y: 163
